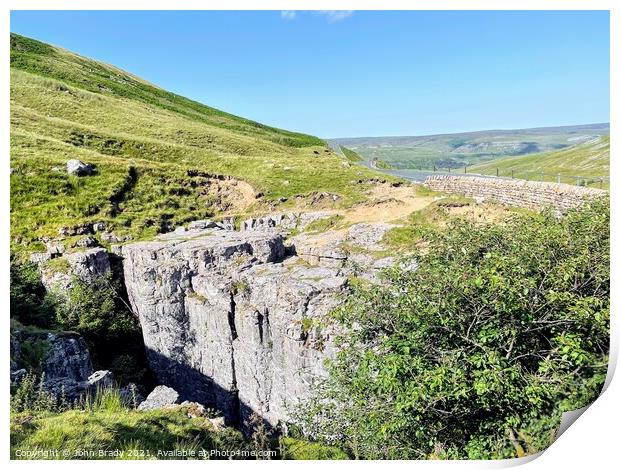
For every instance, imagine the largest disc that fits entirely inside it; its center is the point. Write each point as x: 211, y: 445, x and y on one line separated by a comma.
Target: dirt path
x: 386, y: 204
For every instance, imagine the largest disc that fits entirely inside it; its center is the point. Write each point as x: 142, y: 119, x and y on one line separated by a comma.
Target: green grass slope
x: 103, y: 428
x: 154, y: 151
x: 589, y: 160
x: 117, y: 434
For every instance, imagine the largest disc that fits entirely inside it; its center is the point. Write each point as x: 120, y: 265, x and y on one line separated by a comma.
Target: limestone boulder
x: 79, y: 168
x: 161, y: 397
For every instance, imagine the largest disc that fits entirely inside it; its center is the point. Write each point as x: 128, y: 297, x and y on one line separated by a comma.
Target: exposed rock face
x: 111, y: 237
x: 334, y: 248
x: 68, y: 358
x: 66, y: 363
x: 284, y: 334
x: 85, y: 265
x: 202, y: 224
x: 86, y: 229
x: 87, y: 242
x: 228, y: 322
x: 54, y: 248
x: 368, y: 236
x: 283, y: 222
x: 79, y: 168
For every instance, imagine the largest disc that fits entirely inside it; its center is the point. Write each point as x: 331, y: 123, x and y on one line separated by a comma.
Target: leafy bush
x: 477, y: 352
x: 32, y: 353
x: 32, y: 396
x: 29, y: 302
x: 97, y: 310
x: 91, y: 308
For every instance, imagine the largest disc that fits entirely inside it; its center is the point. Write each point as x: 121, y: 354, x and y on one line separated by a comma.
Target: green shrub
x: 32, y: 353
x: 477, y: 352
x: 29, y: 302
x: 94, y: 309
x: 31, y: 396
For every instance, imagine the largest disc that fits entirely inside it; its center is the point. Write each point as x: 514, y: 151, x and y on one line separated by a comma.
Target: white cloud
x: 288, y: 14
x: 330, y: 15
x: 335, y: 15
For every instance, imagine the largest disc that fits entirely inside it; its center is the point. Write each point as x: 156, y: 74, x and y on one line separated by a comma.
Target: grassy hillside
x: 351, y: 155
x: 589, y: 160
x: 155, y: 153
x: 456, y: 150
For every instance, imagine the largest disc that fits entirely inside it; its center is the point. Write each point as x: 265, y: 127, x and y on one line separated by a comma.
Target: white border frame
x: 590, y: 443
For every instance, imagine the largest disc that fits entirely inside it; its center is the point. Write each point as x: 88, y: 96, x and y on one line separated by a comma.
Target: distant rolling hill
x: 587, y: 162
x: 456, y: 150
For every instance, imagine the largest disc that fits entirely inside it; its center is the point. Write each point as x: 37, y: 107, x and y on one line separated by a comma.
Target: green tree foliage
x: 477, y: 352
x: 127, y: 368
x: 29, y: 303
x: 95, y: 309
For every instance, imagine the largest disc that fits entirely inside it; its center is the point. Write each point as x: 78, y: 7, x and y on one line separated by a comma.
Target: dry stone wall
x: 534, y: 195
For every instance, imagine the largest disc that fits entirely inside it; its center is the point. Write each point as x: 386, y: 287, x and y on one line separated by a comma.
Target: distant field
x: 585, y: 163
x: 457, y: 150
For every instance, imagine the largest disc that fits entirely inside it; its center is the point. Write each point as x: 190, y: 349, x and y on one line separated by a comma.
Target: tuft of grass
x: 298, y: 449
x: 104, y: 400
x: 432, y: 217
x: 405, y: 237
x: 323, y: 225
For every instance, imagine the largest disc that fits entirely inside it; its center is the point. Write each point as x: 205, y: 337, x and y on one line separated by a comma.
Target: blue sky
x: 341, y: 74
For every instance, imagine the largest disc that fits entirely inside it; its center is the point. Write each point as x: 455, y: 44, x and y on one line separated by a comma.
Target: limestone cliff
x: 229, y: 321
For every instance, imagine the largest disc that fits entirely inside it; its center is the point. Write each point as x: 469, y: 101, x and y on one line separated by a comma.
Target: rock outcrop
x: 85, y: 265
x: 160, y: 397
x: 285, y: 222
x: 64, y: 362
x: 68, y: 358
x: 229, y: 322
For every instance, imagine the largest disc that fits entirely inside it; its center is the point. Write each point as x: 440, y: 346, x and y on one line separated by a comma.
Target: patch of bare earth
x: 387, y: 203
x: 479, y: 212
x: 230, y: 195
